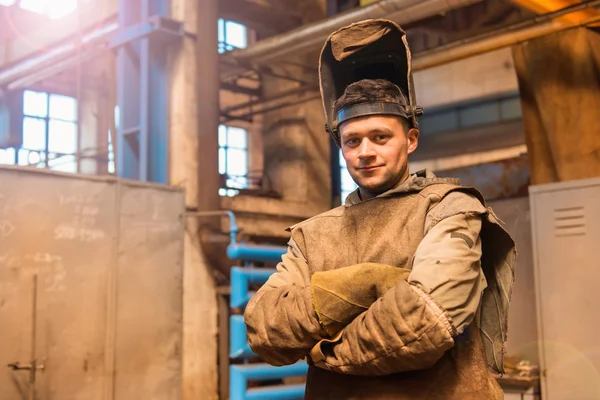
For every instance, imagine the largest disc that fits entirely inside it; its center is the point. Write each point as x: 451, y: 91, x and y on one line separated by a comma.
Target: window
x: 111, y: 148
x: 232, y: 35
x: 233, y: 159
x: 348, y: 185
x: 53, y: 8
x: 49, y: 133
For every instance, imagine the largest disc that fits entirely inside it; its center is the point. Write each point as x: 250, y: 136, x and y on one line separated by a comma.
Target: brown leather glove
x: 340, y: 295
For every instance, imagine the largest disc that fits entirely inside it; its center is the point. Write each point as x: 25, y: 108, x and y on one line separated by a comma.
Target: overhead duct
x: 312, y: 36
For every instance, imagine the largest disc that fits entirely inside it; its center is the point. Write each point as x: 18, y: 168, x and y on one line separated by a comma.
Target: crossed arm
x: 408, y: 328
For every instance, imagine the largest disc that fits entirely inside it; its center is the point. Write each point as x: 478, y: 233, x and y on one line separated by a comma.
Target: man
x: 403, y: 292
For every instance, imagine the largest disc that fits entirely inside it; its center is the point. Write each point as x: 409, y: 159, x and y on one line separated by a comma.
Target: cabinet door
x: 56, y: 245
x: 566, y: 224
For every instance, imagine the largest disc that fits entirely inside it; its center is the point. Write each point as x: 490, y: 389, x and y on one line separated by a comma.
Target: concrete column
x: 193, y: 119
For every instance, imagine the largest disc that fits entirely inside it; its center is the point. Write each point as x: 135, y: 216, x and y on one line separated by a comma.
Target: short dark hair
x: 370, y: 91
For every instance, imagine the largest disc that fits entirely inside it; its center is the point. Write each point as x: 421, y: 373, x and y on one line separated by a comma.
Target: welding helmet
x: 370, y: 49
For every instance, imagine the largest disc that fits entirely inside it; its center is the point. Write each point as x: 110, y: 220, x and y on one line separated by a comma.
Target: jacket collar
x: 413, y: 184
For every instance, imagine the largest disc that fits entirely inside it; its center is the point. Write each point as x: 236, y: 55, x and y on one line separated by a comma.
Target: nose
x: 366, y: 149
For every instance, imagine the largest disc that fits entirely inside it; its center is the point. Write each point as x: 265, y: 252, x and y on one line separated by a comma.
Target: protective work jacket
x: 429, y: 335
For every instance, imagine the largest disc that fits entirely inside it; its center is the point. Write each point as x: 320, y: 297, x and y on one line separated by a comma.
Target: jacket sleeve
x: 281, y: 322
x: 410, y: 327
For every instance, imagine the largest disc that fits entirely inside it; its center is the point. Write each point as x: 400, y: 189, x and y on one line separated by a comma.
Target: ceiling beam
x: 265, y: 20
x: 547, y: 6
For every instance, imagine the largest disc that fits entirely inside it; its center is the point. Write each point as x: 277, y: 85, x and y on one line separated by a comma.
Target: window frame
x: 226, y: 175
x: 19, y: 115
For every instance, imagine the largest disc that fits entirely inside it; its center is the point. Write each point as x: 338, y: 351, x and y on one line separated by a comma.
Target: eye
x: 381, y: 138
x: 351, y: 142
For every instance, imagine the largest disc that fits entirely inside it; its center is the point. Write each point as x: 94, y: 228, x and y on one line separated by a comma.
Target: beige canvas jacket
x: 421, y: 339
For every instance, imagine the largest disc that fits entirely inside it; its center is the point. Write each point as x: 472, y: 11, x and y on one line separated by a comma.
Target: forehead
x: 373, y: 123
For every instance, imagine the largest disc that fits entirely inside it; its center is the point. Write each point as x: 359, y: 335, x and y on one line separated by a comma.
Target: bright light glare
x: 7, y: 2
x: 60, y: 8
x: 53, y: 8
x: 36, y: 6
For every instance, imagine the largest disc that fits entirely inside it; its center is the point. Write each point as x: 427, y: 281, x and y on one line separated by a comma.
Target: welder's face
x: 376, y: 150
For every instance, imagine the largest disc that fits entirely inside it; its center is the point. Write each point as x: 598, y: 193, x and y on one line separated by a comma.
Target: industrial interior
x: 154, y: 152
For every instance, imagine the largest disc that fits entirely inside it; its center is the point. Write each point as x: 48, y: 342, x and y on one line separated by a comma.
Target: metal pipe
x: 498, y: 39
x: 54, y: 55
x: 241, y: 374
x: 233, y: 228
x: 258, y: 372
x: 277, y: 96
x: 251, y: 252
x: 277, y: 392
x: 294, y: 102
x: 241, y: 278
x: 238, y: 338
x: 310, y: 37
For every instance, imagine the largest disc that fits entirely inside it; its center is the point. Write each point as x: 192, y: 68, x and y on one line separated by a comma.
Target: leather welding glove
x: 340, y: 295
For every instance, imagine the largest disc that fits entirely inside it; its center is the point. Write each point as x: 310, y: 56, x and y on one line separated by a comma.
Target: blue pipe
x: 279, y: 392
x: 238, y: 338
x: 241, y: 278
x: 233, y: 228
x: 239, y: 375
x: 242, y: 251
x: 248, y: 252
x: 264, y: 372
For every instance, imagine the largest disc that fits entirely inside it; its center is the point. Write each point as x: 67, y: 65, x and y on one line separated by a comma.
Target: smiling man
x: 403, y: 292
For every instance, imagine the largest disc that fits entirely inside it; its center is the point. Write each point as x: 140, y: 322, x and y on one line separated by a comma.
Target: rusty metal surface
x: 108, y: 259
x: 495, y: 180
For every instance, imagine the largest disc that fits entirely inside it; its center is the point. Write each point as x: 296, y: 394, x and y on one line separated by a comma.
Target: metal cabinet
x: 90, y: 288
x: 566, y: 240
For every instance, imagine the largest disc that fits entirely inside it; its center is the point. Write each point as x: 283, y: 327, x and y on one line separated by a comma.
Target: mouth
x: 372, y: 168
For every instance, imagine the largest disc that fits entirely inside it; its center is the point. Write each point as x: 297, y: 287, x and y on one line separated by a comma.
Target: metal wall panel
x: 566, y: 236
x: 522, y: 326
x: 107, y: 255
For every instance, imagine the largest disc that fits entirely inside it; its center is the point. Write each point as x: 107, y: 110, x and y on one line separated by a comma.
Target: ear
x: 413, y: 140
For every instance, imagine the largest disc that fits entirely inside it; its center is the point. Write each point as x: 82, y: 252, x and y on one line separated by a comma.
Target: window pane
x: 63, y: 107
x: 34, y: 133
x: 342, y: 161
x: 7, y: 156
x: 221, y: 30
x: 238, y: 182
x: 62, y: 137
x: 117, y: 114
x: 236, y: 137
x: 222, y: 136
x: 236, y: 162
x: 35, y: 104
x: 235, y: 34
x: 348, y: 184
x: 62, y: 163
x: 222, y: 161
x: 27, y: 157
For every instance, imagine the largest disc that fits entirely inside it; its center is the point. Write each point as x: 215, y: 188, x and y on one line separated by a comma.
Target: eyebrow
x: 374, y: 130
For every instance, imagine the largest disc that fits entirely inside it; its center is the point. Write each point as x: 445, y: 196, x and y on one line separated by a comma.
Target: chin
x: 375, y: 188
